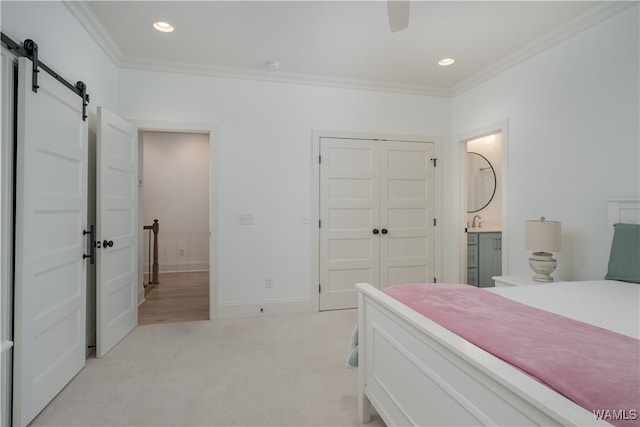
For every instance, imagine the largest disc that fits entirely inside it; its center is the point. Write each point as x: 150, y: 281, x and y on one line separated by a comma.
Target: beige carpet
x: 270, y: 371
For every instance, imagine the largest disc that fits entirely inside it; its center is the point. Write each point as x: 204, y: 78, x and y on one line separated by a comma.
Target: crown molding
x: 94, y: 27
x: 92, y: 24
x: 281, y: 77
x: 572, y: 27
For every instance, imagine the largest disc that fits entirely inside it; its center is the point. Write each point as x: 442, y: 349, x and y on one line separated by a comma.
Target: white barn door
x: 116, y: 230
x: 51, y: 214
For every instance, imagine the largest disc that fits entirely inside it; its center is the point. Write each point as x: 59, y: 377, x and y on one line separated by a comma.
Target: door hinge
x: 435, y: 161
x: 320, y: 159
x: 435, y: 280
x: 319, y: 223
x: 319, y: 288
x: 435, y: 222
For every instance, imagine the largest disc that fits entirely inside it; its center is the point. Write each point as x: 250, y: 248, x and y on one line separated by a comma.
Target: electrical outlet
x: 245, y: 219
x: 268, y: 282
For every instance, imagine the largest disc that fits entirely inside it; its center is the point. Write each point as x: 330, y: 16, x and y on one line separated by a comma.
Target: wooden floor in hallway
x: 179, y: 297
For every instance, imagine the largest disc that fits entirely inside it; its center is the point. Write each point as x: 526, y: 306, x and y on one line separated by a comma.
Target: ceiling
x: 339, y: 43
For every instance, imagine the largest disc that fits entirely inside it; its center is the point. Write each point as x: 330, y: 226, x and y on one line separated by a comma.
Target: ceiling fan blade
x: 398, y: 11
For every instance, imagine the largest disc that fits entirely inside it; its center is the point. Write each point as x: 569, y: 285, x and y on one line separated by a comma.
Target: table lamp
x: 542, y: 237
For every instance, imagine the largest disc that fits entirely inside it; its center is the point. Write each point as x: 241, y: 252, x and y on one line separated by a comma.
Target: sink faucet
x: 479, y: 218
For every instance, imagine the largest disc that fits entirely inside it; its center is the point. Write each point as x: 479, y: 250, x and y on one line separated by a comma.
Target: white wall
x: 573, y: 119
x: 65, y: 46
x: 175, y: 188
x: 264, y: 156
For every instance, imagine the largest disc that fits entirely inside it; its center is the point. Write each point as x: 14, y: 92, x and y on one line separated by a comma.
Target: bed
x: 413, y: 371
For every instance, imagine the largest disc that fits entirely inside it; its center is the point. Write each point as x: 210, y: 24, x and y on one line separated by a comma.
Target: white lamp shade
x: 542, y: 236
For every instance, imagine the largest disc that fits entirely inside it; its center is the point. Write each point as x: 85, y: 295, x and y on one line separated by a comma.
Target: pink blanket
x: 596, y: 368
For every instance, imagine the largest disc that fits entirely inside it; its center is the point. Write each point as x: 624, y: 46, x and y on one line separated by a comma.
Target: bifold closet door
x: 51, y: 215
x: 376, y: 213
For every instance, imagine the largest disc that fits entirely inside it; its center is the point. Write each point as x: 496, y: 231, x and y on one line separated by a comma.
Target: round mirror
x: 481, y: 182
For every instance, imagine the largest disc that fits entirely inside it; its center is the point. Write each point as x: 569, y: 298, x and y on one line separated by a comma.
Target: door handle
x: 107, y: 244
x: 375, y: 231
x: 92, y: 251
x: 384, y: 231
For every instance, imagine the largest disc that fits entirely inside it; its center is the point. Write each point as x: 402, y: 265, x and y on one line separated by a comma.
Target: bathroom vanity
x: 484, y: 256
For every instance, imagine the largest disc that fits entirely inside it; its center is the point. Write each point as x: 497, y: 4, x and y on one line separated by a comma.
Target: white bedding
x: 608, y: 304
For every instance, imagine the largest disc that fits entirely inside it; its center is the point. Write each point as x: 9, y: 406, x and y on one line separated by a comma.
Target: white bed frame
x: 415, y: 372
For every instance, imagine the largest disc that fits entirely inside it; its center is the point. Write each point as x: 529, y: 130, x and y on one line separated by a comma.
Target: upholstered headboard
x: 623, y: 210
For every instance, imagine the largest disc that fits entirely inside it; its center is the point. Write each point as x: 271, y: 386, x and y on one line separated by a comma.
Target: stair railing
x: 153, y: 273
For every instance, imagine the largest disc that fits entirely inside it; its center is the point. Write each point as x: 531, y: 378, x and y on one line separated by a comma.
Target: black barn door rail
x: 29, y: 49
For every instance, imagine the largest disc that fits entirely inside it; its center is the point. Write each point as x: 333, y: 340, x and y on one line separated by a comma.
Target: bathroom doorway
x: 484, y: 182
x: 484, y: 210
x: 483, y: 223
x: 175, y: 191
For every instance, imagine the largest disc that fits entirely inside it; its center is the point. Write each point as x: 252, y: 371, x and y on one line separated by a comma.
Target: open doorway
x: 484, y: 210
x: 484, y: 182
x: 484, y: 189
x: 175, y: 192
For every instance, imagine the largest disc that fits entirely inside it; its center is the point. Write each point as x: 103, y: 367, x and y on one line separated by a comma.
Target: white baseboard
x: 146, y: 275
x: 180, y: 266
x: 141, y: 296
x: 263, y: 308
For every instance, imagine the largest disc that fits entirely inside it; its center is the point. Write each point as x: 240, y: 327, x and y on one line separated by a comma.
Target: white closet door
x: 376, y: 210
x: 349, y: 213
x: 51, y: 214
x: 116, y: 230
x: 407, y: 191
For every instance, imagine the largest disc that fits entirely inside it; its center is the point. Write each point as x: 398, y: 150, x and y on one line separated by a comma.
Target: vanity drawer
x: 472, y: 238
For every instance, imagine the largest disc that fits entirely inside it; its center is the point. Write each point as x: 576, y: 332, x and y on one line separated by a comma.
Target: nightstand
x: 518, y: 280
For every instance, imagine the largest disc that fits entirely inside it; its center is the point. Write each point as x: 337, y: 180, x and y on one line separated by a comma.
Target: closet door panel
x: 406, y: 213
x: 349, y: 213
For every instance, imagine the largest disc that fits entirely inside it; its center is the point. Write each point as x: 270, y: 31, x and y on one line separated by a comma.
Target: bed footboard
x: 415, y: 372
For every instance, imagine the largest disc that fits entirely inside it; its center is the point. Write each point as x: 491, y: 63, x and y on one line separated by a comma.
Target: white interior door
x: 407, y: 191
x: 51, y: 214
x: 376, y: 212
x: 349, y: 211
x: 116, y: 230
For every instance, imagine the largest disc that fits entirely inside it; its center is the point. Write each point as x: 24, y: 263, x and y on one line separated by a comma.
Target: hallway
x: 179, y: 297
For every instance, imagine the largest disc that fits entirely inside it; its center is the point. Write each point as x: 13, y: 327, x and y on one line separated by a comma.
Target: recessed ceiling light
x: 446, y: 61
x: 163, y: 26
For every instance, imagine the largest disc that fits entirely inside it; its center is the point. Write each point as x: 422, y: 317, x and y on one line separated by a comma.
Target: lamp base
x: 543, y: 264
